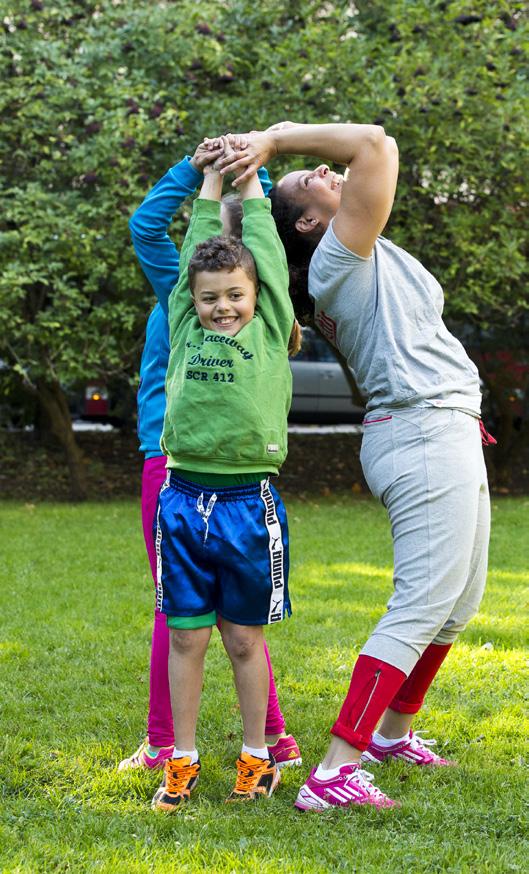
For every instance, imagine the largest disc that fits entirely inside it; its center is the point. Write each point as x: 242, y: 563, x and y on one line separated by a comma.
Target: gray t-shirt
x: 384, y: 315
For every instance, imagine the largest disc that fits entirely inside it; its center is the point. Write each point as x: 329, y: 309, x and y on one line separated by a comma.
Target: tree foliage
x: 100, y: 98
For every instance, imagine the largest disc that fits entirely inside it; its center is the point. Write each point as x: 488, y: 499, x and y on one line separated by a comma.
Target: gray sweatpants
x: 426, y: 465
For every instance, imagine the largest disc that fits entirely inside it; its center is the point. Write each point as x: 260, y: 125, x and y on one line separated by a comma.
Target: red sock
x: 373, y: 685
x: 410, y: 697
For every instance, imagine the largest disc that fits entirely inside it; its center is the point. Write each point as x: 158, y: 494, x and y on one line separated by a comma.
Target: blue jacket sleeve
x: 157, y: 254
x: 265, y: 180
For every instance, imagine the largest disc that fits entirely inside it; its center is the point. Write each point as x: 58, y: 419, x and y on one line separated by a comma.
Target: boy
x: 160, y: 261
x: 221, y: 532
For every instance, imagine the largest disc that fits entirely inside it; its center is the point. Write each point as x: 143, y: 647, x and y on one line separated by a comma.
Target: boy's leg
x: 185, y: 585
x: 275, y: 721
x: 257, y: 773
x: 283, y: 746
x: 186, y: 669
x: 253, y: 591
x: 244, y: 645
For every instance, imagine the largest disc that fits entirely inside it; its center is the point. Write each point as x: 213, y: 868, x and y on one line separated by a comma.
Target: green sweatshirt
x: 228, y: 397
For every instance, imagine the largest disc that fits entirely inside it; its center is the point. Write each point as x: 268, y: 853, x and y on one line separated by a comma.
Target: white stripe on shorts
x: 158, y: 548
x: 276, y: 550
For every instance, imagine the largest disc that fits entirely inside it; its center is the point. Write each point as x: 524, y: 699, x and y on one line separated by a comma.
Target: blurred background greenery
x: 99, y: 99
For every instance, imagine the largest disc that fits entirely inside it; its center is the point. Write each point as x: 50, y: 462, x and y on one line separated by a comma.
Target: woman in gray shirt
x: 421, y: 451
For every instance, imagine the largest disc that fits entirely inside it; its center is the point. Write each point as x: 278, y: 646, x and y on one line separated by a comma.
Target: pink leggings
x: 160, y: 721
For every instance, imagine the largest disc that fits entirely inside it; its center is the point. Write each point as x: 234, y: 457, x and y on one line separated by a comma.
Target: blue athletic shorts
x: 222, y: 549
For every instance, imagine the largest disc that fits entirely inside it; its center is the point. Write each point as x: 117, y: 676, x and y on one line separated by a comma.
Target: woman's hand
x: 255, y: 149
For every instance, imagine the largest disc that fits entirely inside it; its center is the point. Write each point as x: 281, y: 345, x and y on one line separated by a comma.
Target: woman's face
x: 318, y: 191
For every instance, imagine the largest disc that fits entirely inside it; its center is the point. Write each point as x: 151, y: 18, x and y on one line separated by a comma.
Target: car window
x: 323, y: 351
x: 307, y: 351
x: 314, y: 348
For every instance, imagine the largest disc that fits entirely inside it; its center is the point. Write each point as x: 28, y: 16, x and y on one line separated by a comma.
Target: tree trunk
x: 58, y: 423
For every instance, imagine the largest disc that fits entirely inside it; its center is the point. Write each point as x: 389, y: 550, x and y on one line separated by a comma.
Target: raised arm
x: 205, y: 223
x: 370, y: 180
x: 157, y: 254
x: 259, y: 235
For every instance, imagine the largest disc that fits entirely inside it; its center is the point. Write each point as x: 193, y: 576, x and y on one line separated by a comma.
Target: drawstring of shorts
x: 486, y: 438
x: 206, y: 512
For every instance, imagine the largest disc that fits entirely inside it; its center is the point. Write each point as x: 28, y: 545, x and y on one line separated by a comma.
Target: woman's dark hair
x: 233, y: 206
x: 299, y: 249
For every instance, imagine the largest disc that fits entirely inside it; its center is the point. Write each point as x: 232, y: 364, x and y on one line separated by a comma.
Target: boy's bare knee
x: 241, y: 642
x: 186, y: 641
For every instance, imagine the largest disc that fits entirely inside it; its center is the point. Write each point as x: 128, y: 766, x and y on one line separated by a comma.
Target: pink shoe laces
x: 420, y: 745
x: 364, y: 780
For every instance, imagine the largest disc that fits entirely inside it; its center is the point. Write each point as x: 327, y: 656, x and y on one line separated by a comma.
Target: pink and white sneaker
x: 351, y: 786
x: 413, y: 749
x: 142, y: 759
x: 286, y: 752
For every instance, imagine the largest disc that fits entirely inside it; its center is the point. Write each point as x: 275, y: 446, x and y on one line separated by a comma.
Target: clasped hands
x: 239, y: 154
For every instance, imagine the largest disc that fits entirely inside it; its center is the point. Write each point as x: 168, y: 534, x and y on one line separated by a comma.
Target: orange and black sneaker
x: 255, y: 778
x: 180, y: 778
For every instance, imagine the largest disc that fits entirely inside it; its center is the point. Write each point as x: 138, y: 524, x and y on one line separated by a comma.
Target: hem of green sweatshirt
x: 223, y: 466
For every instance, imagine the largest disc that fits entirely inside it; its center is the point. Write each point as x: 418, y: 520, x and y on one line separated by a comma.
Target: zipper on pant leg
x: 373, y: 690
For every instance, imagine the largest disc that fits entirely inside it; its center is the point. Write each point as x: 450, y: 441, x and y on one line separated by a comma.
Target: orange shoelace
x: 248, y: 777
x: 178, y: 778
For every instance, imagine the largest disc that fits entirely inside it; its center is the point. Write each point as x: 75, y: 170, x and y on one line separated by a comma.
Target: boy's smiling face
x: 224, y: 300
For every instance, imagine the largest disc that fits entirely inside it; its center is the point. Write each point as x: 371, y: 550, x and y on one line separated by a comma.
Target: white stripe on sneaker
x: 310, y: 799
x: 345, y: 793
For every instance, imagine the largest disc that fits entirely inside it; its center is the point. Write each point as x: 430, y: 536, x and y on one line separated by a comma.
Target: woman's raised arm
x: 370, y: 181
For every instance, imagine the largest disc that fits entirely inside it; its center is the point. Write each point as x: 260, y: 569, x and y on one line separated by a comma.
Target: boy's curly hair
x: 228, y: 253
x: 222, y: 253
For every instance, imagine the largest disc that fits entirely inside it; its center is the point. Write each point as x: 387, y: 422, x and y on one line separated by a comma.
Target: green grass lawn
x: 74, y: 647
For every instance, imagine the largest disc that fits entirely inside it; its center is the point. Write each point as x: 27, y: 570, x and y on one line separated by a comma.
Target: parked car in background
x: 95, y: 403
x: 320, y: 390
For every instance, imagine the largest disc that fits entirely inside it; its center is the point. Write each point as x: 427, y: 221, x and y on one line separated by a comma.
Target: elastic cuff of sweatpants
x: 354, y: 738
x: 163, y: 741
x: 393, y: 651
x: 190, y: 622
x: 406, y: 706
x: 276, y: 726
x: 446, y: 638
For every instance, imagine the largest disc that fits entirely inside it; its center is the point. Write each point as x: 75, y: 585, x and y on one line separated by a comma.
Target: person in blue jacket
x: 159, y: 260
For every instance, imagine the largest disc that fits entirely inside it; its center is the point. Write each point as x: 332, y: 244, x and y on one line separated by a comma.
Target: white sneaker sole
x: 289, y: 763
x: 307, y: 800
